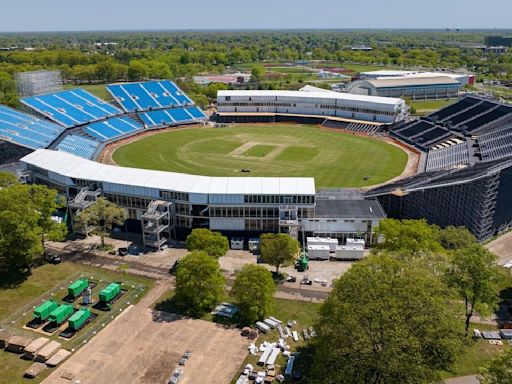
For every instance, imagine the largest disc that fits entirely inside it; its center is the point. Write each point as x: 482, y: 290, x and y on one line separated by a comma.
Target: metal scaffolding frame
x: 37, y: 83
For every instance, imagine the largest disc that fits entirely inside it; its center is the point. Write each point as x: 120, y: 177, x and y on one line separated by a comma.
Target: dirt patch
x: 143, y: 346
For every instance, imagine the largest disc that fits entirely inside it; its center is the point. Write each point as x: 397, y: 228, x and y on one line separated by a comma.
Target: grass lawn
x: 260, y: 150
x: 476, y: 354
x: 96, y: 89
x: 18, y: 296
x: 424, y: 107
x: 334, y: 159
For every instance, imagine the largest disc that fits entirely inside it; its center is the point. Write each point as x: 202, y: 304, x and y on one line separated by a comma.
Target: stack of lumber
x: 47, y: 351
x: 17, y: 344
x: 34, y: 346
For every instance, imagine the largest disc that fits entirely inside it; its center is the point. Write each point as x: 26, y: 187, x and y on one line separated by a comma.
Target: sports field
x: 334, y: 159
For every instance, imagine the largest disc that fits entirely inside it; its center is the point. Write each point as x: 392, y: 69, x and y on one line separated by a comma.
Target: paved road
x: 139, y: 268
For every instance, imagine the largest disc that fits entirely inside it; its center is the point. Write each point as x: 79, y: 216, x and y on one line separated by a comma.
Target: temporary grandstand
x: 466, y: 171
x: 26, y: 130
x: 149, y: 95
x: 255, y: 106
x: 477, y: 197
x: 469, y: 131
x: 82, y: 124
x: 71, y: 108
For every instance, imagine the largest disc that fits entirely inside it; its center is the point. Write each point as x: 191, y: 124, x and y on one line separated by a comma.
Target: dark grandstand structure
x: 465, y: 173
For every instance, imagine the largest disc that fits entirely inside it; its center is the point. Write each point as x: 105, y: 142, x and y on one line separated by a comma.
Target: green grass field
x: 424, y: 107
x: 334, y: 159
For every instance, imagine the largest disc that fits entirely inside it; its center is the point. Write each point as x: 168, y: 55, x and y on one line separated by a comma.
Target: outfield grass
x: 334, y: 159
x: 424, y: 107
x: 97, y: 90
x: 18, y: 295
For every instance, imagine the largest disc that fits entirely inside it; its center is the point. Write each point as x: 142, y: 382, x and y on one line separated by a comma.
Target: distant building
x: 463, y: 78
x: 416, y: 88
x: 232, y: 78
x: 361, y: 48
x: 498, y: 40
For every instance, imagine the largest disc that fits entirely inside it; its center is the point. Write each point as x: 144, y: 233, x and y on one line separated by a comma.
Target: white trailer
x: 265, y: 355
x: 262, y: 327
x: 348, y: 252
x: 271, y: 323
x: 273, y: 356
x: 332, y: 243
x: 356, y: 242
x: 319, y: 252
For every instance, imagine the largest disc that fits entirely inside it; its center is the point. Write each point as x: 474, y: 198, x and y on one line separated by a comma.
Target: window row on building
x: 277, y: 199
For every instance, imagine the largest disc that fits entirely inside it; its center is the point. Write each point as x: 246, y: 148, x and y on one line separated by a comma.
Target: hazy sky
x: 68, y: 15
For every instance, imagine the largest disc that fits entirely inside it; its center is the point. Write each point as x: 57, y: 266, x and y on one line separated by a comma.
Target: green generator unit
x: 78, y: 319
x: 75, y: 289
x: 60, y: 314
x: 43, y: 311
x: 111, y: 291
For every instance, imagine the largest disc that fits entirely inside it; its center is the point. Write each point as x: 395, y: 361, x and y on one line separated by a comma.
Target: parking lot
x: 144, y: 346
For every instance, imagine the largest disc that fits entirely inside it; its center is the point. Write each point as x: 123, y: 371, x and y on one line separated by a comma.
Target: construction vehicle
x: 43, y: 311
x: 302, y: 262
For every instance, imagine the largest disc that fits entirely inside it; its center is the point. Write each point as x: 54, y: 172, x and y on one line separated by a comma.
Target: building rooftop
x: 67, y: 165
x: 320, y: 95
x: 357, y: 209
x: 412, y: 81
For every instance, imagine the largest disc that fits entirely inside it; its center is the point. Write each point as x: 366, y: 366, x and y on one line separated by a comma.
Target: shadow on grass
x: 12, y: 277
x: 170, y: 310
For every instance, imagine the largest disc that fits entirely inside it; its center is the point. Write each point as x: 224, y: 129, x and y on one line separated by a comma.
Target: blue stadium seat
x: 26, y: 130
x: 71, y: 108
x: 149, y: 95
x: 78, y: 146
x: 112, y: 128
x: 172, y: 116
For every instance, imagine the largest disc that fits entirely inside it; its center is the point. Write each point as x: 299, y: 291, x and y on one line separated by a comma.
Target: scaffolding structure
x: 37, y: 83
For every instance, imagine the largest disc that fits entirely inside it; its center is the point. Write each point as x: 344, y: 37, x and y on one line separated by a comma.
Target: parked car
x: 53, y: 259
x: 185, y: 358
x: 176, y: 376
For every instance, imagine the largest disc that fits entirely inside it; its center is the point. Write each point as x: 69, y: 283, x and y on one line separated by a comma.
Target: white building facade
x: 319, y: 104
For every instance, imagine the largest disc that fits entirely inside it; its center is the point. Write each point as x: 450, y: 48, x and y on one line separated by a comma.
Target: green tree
x: 278, y: 249
x: 46, y: 202
x: 100, y: 217
x: 408, y: 236
x: 385, y: 321
x: 253, y: 291
x: 257, y: 73
x: 499, y: 370
x: 453, y: 238
x: 7, y: 179
x: 199, y: 282
x: 137, y: 70
x: 25, y: 222
x: 213, y: 243
x: 474, y: 276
